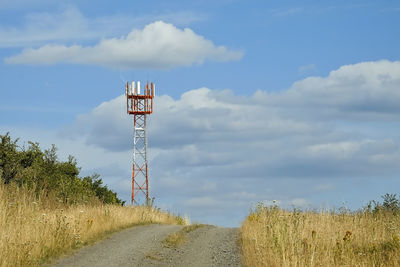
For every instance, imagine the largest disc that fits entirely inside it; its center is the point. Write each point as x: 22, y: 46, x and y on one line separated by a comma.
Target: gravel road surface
x: 143, y: 246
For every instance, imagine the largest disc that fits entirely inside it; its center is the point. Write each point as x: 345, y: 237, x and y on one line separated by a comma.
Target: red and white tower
x: 139, y: 103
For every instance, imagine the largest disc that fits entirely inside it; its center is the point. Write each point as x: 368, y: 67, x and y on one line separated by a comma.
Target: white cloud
x: 336, y: 149
x: 117, y: 129
x: 70, y: 25
x: 268, y: 135
x: 363, y: 91
x: 302, y: 127
x: 211, y: 150
x: 158, y: 46
x: 47, y: 27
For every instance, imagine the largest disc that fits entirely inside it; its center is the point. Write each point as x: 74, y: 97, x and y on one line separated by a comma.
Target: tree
x: 9, y: 158
x: 43, y: 172
x: 391, y: 203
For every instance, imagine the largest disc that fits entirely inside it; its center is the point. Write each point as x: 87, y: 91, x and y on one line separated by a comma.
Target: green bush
x: 44, y: 173
x: 390, y: 204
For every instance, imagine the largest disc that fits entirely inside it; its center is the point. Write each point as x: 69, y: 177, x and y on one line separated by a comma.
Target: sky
x: 289, y: 102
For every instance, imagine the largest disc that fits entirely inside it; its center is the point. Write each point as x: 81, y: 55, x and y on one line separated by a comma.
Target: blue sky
x: 293, y: 101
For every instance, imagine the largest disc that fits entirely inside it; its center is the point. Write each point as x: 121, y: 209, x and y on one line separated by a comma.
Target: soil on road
x: 144, y: 246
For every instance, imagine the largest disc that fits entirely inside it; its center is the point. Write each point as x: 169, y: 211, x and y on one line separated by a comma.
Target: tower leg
x: 133, y: 184
x: 140, y: 179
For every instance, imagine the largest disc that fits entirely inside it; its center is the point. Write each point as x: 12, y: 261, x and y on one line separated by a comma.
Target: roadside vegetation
x: 179, y: 238
x: 271, y: 236
x: 42, y: 173
x: 46, y: 209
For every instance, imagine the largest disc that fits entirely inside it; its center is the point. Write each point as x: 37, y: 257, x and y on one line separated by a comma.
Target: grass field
x: 274, y: 237
x: 34, y: 230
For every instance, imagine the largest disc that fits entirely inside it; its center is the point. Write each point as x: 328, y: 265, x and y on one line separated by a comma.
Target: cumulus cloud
x: 117, y: 131
x: 159, y: 45
x: 299, y: 127
x: 367, y: 90
x: 215, y: 149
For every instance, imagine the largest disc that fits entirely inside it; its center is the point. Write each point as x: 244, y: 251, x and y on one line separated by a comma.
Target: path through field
x: 145, y: 246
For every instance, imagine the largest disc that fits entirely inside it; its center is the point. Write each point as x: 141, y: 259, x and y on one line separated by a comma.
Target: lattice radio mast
x: 139, y: 105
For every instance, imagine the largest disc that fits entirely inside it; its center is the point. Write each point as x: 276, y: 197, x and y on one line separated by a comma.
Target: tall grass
x: 33, y: 229
x: 274, y: 237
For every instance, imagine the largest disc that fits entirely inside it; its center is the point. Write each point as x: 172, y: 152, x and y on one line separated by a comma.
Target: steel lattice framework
x: 139, y: 105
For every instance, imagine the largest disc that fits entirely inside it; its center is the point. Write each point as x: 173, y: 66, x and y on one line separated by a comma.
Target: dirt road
x: 145, y: 246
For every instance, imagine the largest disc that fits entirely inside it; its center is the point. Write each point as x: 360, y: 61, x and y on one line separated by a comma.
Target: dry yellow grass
x: 274, y: 237
x: 178, y: 238
x: 32, y: 231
